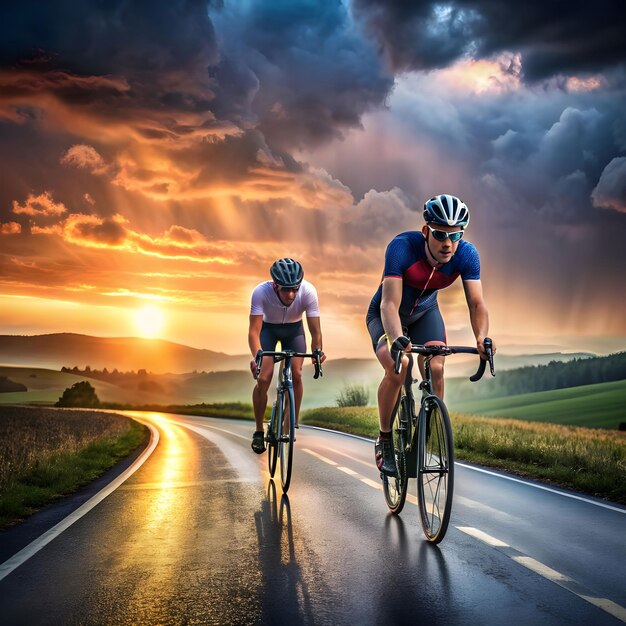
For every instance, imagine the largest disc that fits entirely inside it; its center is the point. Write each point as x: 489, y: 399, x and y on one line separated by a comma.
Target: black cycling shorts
x: 291, y: 336
x: 428, y: 326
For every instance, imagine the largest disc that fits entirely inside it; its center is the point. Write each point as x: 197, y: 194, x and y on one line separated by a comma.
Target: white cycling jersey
x: 265, y: 302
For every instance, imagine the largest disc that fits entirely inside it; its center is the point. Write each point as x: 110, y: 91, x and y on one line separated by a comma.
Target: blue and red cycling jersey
x: 406, y: 258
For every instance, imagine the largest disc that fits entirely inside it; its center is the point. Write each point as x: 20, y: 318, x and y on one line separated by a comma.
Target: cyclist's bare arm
x: 254, y: 333
x: 479, y: 315
x: 315, y: 328
x: 254, y: 341
x: 389, y: 306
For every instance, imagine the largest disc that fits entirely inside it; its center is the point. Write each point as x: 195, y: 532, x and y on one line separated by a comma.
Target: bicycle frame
x: 280, y: 435
x: 423, y: 443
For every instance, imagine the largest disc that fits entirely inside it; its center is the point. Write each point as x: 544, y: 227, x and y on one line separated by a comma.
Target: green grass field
x: 602, y: 405
x: 46, y: 386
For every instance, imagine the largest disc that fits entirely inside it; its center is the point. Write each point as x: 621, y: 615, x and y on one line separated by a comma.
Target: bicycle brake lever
x: 398, y: 361
x: 318, y: 364
x: 488, y: 343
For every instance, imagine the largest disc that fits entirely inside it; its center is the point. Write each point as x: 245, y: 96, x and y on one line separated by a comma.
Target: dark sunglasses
x: 442, y: 235
x: 289, y: 288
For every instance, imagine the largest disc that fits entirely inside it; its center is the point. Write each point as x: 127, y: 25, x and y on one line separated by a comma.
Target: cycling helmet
x: 287, y: 273
x: 446, y: 210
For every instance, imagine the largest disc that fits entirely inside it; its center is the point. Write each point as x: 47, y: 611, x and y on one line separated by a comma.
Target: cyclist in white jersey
x: 276, y: 315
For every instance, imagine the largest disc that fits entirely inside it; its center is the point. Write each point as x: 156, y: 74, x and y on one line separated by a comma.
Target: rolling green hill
x: 46, y: 386
x: 602, y: 405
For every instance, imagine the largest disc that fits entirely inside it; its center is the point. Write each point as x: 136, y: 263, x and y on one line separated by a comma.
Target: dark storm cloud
x: 298, y: 68
x: 110, y: 79
x: 139, y: 37
x: 553, y: 37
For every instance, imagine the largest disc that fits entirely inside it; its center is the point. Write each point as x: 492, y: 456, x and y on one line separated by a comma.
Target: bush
x: 353, y: 395
x: 80, y: 394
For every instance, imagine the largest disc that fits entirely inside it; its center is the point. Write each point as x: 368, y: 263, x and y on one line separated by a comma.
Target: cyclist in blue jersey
x: 404, y: 309
x: 276, y: 315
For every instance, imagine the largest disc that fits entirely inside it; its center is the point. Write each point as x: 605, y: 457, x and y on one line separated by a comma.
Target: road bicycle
x: 423, y: 443
x: 280, y: 433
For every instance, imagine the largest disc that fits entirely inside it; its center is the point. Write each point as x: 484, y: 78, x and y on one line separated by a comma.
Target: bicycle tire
x: 286, y: 441
x: 395, y: 487
x: 272, y: 439
x: 435, y: 470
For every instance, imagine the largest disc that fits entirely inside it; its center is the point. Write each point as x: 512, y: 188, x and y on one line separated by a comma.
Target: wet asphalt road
x: 201, y: 535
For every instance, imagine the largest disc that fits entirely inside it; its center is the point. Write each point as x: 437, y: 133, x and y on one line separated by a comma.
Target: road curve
x: 200, y: 535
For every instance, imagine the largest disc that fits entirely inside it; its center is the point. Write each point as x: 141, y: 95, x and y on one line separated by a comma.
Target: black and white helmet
x: 287, y: 273
x: 446, y: 210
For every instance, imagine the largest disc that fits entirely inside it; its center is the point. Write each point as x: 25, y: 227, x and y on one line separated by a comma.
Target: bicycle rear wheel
x: 286, y: 440
x: 272, y: 437
x: 435, y: 470
x: 395, y: 487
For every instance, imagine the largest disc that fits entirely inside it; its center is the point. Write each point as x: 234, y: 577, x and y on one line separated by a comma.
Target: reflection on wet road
x: 201, y: 535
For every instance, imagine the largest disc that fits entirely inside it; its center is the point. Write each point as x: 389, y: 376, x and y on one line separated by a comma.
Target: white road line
x: 348, y: 471
x: 607, y: 605
x: 371, y: 483
x: 479, y: 534
x: 34, y: 546
x: 541, y: 569
x: 548, y: 573
x: 203, y: 424
x: 320, y: 457
x: 339, y: 452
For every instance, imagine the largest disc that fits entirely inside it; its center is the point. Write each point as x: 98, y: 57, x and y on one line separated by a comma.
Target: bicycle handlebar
x: 281, y: 355
x: 447, y: 351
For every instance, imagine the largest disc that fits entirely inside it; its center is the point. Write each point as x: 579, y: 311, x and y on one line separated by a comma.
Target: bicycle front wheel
x: 395, y: 487
x: 286, y: 440
x: 435, y: 469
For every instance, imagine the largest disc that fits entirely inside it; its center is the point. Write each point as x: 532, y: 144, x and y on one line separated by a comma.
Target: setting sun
x: 149, y: 321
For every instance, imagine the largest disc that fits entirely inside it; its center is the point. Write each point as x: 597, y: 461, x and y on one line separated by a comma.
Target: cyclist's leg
x: 296, y: 341
x: 391, y: 383
x: 388, y: 391
x: 263, y: 382
x: 429, y: 329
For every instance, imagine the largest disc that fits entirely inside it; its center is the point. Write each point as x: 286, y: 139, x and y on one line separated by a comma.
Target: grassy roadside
x: 585, y: 459
x: 235, y: 410
x: 49, y: 453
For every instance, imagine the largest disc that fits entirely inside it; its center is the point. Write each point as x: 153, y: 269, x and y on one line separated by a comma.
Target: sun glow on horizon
x: 149, y: 321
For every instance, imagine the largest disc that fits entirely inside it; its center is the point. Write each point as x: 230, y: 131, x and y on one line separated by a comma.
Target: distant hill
x: 124, y: 353
x: 230, y: 380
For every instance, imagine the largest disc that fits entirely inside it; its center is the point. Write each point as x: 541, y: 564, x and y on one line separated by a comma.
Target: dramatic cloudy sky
x: 165, y: 154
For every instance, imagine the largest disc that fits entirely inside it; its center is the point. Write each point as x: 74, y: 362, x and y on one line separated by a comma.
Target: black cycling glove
x: 399, y: 345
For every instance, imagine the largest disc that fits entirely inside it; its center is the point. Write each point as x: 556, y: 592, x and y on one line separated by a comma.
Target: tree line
x: 104, y: 374
x: 557, y: 375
